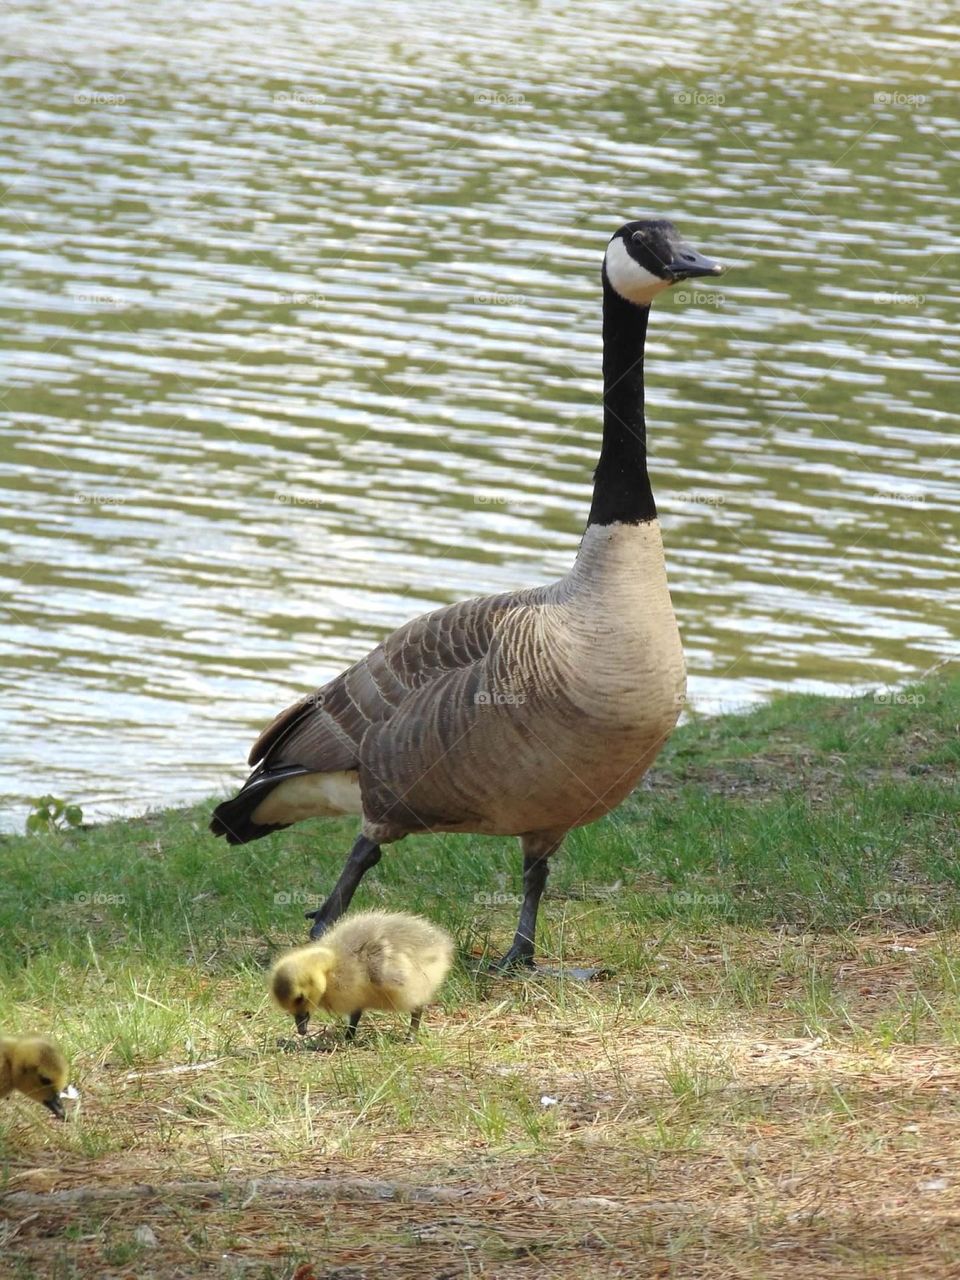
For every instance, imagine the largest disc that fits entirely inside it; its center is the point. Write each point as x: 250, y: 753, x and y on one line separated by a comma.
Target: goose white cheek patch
x: 630, y: 280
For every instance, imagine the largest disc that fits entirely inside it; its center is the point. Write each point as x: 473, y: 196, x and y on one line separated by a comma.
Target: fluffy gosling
x: 35, y: 1066
x: 371, y: 960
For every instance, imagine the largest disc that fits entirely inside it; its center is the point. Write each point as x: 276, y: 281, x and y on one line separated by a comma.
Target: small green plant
x: 50, y: 814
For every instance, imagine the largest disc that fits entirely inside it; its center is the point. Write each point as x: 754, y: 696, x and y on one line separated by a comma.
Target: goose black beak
x: 56, y: 1106
x: 303, y: 1023
x: 686, y: 264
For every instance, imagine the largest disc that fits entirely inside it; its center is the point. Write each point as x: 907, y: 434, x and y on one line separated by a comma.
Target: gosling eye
x: 45, y: 1080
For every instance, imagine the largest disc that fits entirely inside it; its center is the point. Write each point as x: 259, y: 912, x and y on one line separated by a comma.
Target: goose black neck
x: 621, y: 486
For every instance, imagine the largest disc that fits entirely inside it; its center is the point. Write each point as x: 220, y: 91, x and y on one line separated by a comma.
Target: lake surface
x: 301, y: 321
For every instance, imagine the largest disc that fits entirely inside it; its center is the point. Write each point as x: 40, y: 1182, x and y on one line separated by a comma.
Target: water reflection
x: 302, y: 330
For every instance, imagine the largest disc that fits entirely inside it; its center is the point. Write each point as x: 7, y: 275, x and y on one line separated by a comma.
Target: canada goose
x: 373, y: 960
x: 35, y: 1066
x: 526, y: 713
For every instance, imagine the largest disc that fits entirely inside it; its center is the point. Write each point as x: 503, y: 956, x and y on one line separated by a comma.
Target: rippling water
x: 301, y: 314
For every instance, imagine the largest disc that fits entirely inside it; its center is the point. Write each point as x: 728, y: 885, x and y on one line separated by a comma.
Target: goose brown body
x: 535, y: 711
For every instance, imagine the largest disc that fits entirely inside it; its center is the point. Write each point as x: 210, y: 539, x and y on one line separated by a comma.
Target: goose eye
x: 45, y: 1080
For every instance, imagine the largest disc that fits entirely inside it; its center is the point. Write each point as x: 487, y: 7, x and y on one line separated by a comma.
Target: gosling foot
x: 351, y: 1033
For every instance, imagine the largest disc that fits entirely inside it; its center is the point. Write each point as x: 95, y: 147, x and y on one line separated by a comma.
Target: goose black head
x: 645, y: 257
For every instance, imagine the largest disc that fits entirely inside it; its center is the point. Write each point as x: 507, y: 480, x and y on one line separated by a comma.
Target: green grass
x: 775, y: 916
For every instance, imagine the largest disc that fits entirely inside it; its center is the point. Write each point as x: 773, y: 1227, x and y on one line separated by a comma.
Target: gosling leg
x: 520, y: 954
x: 352, y: 1026
x: 415, y: 1017
x: 364, y: 855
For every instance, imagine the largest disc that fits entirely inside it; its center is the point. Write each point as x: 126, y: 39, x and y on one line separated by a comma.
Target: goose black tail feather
x: 233, y: 818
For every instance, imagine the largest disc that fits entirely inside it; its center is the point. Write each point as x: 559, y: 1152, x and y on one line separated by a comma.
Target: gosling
x: 372, y: 960
x: 35, y: 1066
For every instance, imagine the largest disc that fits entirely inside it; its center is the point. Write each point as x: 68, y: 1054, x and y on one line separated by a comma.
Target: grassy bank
x: 762, y: 1083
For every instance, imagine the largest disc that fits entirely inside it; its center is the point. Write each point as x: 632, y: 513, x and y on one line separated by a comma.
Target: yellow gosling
x: 372, y: 960
x: 35, y: 1066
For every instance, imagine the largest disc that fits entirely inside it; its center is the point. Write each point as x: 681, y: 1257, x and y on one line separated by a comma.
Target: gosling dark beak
x: 686, y: 264
x: 303, y: 1022
x: 56, y: 1106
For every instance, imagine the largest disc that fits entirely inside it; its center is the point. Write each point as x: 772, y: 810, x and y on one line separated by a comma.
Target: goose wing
x: 384, y: 965
x: 322, y: 732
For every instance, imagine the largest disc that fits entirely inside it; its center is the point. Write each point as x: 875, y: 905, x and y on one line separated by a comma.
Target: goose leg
x: 352, y: 1026
x: 415, y: 1017
x: 364, y: 855
x: 536, y: 856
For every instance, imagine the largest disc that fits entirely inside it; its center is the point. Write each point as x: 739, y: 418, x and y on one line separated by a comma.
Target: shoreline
x: 692, y: 715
